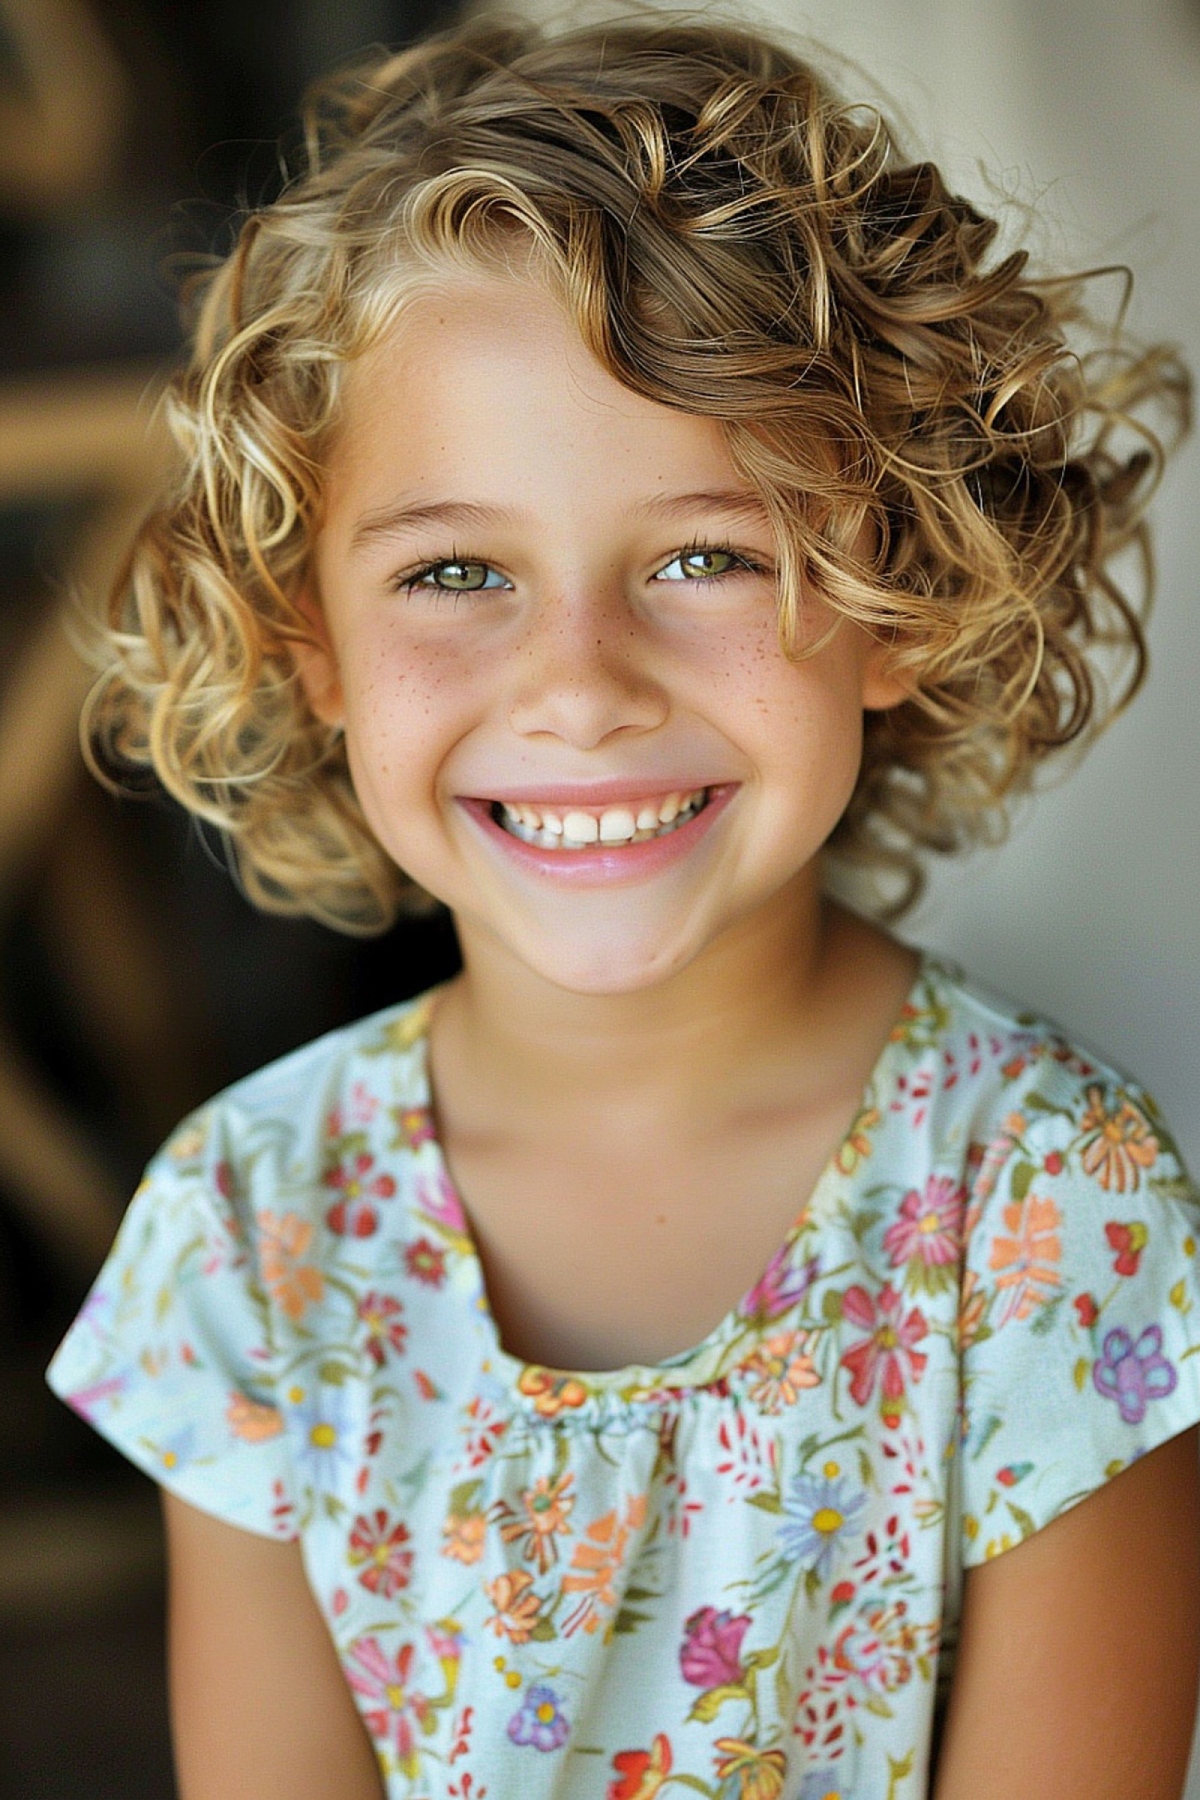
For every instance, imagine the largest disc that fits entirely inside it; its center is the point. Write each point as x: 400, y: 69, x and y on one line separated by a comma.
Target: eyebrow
x: 394, y: 521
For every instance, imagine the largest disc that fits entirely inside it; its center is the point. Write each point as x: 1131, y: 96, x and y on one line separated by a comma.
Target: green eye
x: 458, y: 577
x: 700, y: 565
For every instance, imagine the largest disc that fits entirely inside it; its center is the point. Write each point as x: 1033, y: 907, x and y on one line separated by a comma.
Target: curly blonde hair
x: 733, y: 239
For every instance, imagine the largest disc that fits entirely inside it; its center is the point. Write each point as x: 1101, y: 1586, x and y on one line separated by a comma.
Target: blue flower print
x: 820, y: 1511
x: 1134, y: 1374
x: 540, y: 1721
x: 324, y: 1425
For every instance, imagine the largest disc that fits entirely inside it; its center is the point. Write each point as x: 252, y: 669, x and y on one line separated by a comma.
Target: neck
x: 758, y: 995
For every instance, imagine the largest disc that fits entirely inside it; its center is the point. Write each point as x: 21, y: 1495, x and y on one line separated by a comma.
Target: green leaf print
x: 709, y: 1705
x: 1022, y: 1179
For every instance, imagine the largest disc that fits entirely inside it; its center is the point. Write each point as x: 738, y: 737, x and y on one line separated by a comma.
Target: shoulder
x: 321, y: 1093
x: 1009, y: 1074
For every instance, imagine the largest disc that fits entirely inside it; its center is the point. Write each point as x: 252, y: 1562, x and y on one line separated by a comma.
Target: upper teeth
x: 552, y: 827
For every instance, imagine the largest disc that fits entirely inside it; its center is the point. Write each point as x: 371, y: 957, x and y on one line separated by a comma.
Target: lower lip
x: 603, y: 863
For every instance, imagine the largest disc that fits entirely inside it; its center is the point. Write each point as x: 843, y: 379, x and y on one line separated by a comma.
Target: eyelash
x: 745, y: 564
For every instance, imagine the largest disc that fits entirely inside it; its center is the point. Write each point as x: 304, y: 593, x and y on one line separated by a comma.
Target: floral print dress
x: 736, y: 1574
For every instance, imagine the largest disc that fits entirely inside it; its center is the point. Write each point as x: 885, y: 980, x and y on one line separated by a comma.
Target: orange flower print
x: 464, y: 1534
x: 971, y: 1307
x: 550, y: 1393
x: 1120, y: 1144
x: 856, y: 1145
x: 780, y: 1370
x: 759, y: 1773
x: 1026, y: 1261
x: 596, y: 1564
x: 251, y: 1421
x: 517, y: 1608
x: 292, y: 1284
x: 640, y: 1773
x: 546, y: 1509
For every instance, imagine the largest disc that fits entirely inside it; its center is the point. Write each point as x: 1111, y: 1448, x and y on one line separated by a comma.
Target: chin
x: 605, y: 968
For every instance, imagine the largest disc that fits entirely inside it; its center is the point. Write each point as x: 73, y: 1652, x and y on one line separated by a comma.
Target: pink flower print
x: 711, y: 1653
x: 353, y: 1215
x: 396, y: 1707
x: 890, y: 1350
x: 363, y: 1104
x: 382, y: 1314
x: 384, y: 1548
x: 441, y: 1205
x: 927, y: 1234
x: 780, y: 1287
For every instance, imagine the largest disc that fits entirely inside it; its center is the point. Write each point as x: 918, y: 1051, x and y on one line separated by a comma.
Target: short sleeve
x: 170, y: 1357
x: 1079, y: 1326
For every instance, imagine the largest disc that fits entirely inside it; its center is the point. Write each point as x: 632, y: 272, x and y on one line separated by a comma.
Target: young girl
x: 704, y: 1346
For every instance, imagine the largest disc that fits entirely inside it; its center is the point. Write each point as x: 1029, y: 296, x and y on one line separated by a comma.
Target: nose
x: 585, y: 674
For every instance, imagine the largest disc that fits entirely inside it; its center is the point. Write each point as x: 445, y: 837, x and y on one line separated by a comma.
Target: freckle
x: 661, y: 1219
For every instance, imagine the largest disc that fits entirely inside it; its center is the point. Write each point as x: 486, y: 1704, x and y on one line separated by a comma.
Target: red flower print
x: 1053, y: 1162
x: 1087, y: 1310
x: 384, y: 1548
x: 1128, y: 1241
x: 640, y: 1773
x: 382, y: 1314
x: 425, y: 1262
x: 889, y: 1350
x: 353, y: 1215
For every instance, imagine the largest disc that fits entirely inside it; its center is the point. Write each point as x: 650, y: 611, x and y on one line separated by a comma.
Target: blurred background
x: 134, y: 980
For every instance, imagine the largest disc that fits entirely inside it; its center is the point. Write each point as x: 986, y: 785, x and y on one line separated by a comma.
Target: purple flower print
x: 1134, y: 1374
x: 540, y: 1722
x: 780, y: 1287
x: 711, y: 1653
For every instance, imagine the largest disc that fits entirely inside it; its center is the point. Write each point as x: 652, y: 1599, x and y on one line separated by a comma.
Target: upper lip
x: 595, y: 793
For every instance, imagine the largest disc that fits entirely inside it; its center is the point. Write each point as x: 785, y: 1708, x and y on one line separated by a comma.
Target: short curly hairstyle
x: 735, y: 240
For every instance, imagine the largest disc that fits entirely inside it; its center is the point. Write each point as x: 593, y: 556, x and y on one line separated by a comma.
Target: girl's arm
x: 1080, y: 1648
x: 260, y: 1709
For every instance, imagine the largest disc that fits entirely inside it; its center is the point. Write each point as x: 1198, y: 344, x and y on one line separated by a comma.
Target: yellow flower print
x: 292, y: 1284
x: 1120, y: 1144
x: 759, y: 1773
x: 517, y: 1608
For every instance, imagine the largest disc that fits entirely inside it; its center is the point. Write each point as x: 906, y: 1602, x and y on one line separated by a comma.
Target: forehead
x: 485, y: 387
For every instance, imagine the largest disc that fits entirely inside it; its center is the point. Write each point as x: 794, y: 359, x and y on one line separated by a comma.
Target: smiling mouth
x: 583, y: 828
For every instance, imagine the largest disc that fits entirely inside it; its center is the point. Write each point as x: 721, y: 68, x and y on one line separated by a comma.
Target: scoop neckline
x: 549, y: 1392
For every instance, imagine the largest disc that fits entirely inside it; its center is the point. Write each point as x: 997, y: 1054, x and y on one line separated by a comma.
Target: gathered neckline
x: 552, y: 1393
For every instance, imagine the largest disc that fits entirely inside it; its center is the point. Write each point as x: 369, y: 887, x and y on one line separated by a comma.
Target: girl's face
x: 550, y: 633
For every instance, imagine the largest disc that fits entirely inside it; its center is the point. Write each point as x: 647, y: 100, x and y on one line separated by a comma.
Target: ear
x: 317, y: 664
x: 881, y: 687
